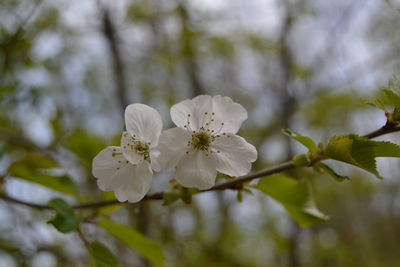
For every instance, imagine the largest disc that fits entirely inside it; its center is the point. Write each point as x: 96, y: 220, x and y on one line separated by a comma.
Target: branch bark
x: 234, y: 184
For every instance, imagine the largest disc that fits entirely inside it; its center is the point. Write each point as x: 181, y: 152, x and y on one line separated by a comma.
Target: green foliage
x: 85, y: 146
x: 389, y: 97
x: 179, y: 192
x: 135, y: 240
x: 302, y: 160
x: 65, y: 220
x: 101, y: 256
x: 34, y: 167
x: 141, y: 11
x: 392, y: 97
x: 329, y: 109
x: 360, y: 151
x: 221, y: 46
x: 306, y: 141
x: 170, y: 198
x: 295, y: 196
x: 321, y: 167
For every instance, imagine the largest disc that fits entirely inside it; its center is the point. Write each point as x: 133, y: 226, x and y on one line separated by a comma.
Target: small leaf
x: 170, y: 198
x: 295, y: 196
x: 239, y: 196
x: 378, y: 103
x: 248, y: 191
x: 331, y: 172
x: 101, y: 256
x: 65, y: 220
x: 360, y: 151
x: 306, y: 141
x: 392, y: 97
x: 301, y: 160
x: 135, y: 240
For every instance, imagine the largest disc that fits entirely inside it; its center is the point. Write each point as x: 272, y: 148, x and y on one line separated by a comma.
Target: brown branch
x: 382, y: 131
x: 234, y: 184
x: 238, y: 183
x: 25, y: 203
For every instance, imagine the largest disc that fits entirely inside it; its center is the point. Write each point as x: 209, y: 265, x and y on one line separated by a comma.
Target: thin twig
x: 25, y: 203
x: 234, y: 184
x: 384, y: 130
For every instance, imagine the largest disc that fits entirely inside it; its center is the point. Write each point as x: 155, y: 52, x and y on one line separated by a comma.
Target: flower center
x: 201, y: 140
x: 142, y: 149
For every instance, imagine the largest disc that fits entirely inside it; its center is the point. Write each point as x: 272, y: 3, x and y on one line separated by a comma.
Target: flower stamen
x: 201, y: 141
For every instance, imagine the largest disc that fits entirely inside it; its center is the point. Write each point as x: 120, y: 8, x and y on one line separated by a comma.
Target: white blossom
x: 205, y: 141
x: 126, y: 170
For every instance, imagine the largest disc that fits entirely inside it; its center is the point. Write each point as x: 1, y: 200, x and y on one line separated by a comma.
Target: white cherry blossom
x: 205, y: 141
x: 126, y: 170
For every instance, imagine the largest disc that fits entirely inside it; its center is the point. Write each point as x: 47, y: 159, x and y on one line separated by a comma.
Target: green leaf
x: 37, y: 161
x: 135, y: 240
x: 360, y: 151
x: 170, y: 198
x: 101, y: 256
x: 295, y: 196
x: 35, y: 168
x: 239, y: 196
x: 386, y: 149
x: 392, y: 97
x: 301, y: 160
x: 85, y: 146
x: 331, y: 172
x: 306, y: 141
x: 65, y: 220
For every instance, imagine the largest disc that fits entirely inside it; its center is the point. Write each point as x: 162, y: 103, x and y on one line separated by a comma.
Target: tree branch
x: 236, y: 184
x: 24, y: 203
x: 382, y: 131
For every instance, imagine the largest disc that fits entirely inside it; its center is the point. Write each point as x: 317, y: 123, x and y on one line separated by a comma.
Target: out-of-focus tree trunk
x: 288, y: 102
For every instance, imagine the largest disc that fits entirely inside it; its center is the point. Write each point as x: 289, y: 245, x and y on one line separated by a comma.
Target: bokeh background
x: 69, y: 68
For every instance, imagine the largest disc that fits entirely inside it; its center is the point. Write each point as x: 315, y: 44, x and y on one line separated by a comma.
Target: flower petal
x: 196, y: 170
x: 172, y: 146
x: 137, y: 184
x: 228, y: 112
x: 144, y: 122
x: 110, y: 167
x: 154, y: 156
x: 127, y: 146
x: 196, y: 107
x: 235, y: 154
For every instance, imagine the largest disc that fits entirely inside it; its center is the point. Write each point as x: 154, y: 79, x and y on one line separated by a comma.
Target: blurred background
x: 69, y: 68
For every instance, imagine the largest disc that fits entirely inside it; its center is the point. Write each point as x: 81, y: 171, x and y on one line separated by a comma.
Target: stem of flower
x: 233, y: 184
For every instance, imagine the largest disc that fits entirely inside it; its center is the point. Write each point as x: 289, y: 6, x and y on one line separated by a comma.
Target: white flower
x: 127, y: 169
x: 205, y: 142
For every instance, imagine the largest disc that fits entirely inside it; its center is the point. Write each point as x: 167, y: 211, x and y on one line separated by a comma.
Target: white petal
x: 235, y: 155
x: 138, y: 184
x: 127, y: 146
x: 196, y: 170
x: 228, y: 112
x: 154, y: 156
x: 110, y: 167
x: 172, y: 146
x: 120, y: 177
x: 196, y: 107
x: 144, y: 122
